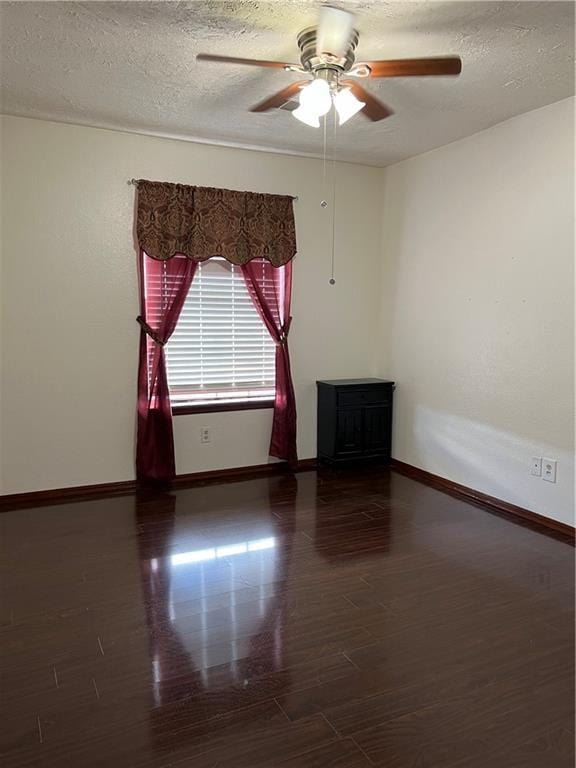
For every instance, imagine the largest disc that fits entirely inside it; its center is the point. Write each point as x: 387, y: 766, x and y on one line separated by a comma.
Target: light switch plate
x: 536, y: 466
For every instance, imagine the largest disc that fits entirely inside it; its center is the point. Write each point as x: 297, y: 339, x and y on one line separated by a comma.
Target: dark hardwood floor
x: 319, y: 620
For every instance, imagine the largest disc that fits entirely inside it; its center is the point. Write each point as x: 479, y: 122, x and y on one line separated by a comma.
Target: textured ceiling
x: 130, y: 65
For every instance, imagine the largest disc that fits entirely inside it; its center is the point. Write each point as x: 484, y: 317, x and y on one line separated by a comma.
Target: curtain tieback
x: 146, y: 328
x: 283, y: 339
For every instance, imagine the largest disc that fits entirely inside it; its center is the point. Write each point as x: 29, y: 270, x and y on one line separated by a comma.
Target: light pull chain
x: 324, y: 203
x: 324, y: 150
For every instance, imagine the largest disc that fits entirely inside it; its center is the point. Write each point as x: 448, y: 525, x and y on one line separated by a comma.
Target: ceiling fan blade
x: 279, y: 98
x: 248, y: 62
x: 448, y: 65
x: 335, y: 28
x: 374, y: 109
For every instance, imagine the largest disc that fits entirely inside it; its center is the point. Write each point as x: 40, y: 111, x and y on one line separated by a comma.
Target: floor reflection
x: 214, y: 600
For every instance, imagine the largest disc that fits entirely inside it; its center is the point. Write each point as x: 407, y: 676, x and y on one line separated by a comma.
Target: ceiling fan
x: 327, y: 58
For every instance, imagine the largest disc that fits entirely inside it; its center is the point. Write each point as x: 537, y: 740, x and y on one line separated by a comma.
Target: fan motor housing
x: 310, y: 59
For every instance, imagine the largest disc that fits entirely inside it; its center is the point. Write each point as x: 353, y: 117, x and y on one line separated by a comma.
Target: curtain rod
x: 135, y: 183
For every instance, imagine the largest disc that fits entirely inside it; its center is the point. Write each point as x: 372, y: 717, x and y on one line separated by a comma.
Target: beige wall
x: 477, y: 322
x: 469, y: 310
x: 69, y: 298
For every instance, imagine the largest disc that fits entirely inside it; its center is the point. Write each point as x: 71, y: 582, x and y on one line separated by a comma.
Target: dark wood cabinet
x: 354, y: 419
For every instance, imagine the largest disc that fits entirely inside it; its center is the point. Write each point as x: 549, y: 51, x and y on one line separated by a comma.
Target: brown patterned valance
x: 201, y: 222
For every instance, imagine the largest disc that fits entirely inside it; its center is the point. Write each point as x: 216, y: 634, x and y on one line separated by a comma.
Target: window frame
x: 242, y: 405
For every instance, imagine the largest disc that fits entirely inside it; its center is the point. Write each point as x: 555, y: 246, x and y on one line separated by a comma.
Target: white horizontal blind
x: 220, y: 350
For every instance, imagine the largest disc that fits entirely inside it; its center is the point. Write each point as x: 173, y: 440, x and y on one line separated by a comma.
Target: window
x: 220, y: 354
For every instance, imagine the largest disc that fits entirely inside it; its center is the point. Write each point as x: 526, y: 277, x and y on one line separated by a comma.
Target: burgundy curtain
x: 270, y: 289
x: 164, y: 286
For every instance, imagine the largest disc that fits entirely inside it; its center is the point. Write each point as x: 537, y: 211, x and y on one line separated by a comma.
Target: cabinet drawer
x: 357, y: 397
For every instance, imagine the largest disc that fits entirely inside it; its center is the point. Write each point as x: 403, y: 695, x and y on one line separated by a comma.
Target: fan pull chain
x: 324, y: 202
x: 334, y: 141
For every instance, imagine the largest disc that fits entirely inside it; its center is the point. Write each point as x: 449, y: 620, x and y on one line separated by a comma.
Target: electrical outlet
x: 549, y: 470
x: 536, y: 466
x: 205, y: 435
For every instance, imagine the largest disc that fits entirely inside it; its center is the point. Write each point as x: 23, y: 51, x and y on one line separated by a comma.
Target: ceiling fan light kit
x: 316, y: 100
x: 327, y: 54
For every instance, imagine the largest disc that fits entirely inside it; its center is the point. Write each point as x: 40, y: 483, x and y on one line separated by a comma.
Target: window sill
x: 246, y: 405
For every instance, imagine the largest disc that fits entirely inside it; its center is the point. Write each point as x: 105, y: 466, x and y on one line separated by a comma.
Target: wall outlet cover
x: 549, y: 470
x: 536, y: 466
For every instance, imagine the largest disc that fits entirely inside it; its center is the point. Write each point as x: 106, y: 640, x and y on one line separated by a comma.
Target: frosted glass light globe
x: 316, y: 97
x: 347, y: 105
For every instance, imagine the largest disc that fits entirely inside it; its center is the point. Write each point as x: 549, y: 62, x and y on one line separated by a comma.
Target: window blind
x: 220, y: 350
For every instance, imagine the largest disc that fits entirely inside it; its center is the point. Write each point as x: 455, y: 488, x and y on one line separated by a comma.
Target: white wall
x: 69, y: 298
x: 477, y: 323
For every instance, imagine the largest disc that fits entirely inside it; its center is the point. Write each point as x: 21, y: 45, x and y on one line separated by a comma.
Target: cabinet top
x: 353, y: 382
